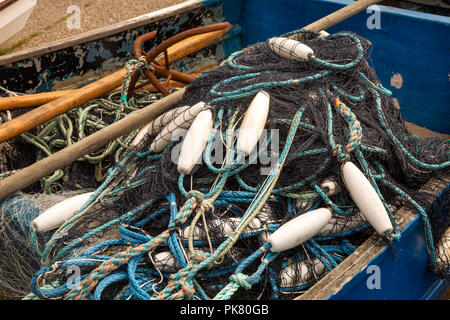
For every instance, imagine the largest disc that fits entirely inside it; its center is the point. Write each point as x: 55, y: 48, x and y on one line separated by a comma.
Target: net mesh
x: 149, y: 232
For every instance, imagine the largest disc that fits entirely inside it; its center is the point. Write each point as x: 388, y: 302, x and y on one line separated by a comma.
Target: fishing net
x: 149, y: 232
x: 18, y: 211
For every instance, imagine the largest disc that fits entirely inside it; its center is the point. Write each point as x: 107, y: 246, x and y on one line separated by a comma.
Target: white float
x: 253, y: 123
x: 153, y: 127
x: 290, y: 49
x: 195, y: 142
x: 366, y: 198
x: 323, y: 34
x: 175, y: 127
x: 298, y: 274
x: 140, y: 135
x: 299, y: 229
x: 56, y: 215
x: 339, y: 224
x: 227, y: 227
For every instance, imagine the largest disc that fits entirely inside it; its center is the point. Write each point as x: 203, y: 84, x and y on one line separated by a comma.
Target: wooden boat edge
x: 101, y: 32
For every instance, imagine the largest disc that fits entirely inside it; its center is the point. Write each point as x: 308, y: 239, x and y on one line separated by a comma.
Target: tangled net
x: 149, y: 232
x: 71, y: 127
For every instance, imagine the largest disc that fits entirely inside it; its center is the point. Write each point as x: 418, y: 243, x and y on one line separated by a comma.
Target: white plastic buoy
x: 366, y: 198
x: 331, y: 185
x: 174, y: 127
x: 297, y: 274
x: 299, y: 229
x: 222, y: 228
x: 195, y: 142
x: 323, y: 34
x: 253, y: 123
x: 140, y: 135
x: 290, y: 49
x: 56, y: 215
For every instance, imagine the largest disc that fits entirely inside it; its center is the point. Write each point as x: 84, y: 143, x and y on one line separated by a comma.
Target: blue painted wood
x: 412, y: 44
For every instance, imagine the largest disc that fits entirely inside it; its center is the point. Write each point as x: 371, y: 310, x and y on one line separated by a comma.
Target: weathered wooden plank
x: 100, y: 32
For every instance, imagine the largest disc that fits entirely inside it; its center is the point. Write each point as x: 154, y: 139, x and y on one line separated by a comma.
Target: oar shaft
x: 66, y: 156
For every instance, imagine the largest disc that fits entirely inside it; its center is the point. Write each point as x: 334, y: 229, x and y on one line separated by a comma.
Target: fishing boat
x: 409, y: 57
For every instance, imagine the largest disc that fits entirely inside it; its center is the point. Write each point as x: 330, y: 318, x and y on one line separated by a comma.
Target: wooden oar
x: 25, y: 177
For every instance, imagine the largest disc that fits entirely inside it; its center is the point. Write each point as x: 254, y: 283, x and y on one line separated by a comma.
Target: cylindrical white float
x: 174, y: 127
x: 443, y: 250
x: 56, y: 215
x: 265, y: 214
x: 157, y: 124
x: 300, y: 273
x: 290, y: 49
x: 366, y: 198
x: 222, y: 228
x: 253, y: 123
x: 140, y: 135
x: 195, y: 142
x: 299, y: 229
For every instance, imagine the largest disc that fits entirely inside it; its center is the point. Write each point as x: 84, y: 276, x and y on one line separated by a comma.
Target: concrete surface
x: 48, y: 21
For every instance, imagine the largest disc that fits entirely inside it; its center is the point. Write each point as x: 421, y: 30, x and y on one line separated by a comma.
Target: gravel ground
x: 93, y: 14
